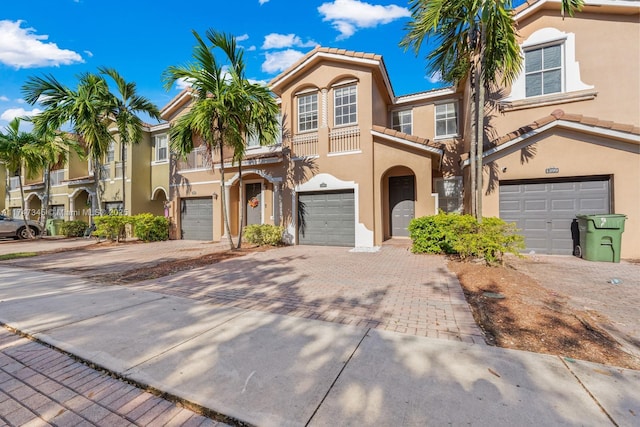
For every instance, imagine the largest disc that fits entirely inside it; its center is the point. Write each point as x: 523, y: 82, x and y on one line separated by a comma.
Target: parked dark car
x: 15, y: 228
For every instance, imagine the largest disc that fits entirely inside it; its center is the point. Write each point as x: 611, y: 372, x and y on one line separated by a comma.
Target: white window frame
x: 310, y: 113
x: 439, y: 186
x: 156, y: 142
x: 542, y: 69
x: 447, y: 117
x: 337, y: 93
x: 571, y: 80
x: 399, y: 114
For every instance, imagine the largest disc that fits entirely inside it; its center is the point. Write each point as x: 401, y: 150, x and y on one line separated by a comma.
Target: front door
x: 401, y: 204
x: 253, y: 203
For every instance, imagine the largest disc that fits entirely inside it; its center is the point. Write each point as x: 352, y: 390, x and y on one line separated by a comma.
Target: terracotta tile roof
x: 330, y: 50
x: 407, y: 137
x: 560, y: 115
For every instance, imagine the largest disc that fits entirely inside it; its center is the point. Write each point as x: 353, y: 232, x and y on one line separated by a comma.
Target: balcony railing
x: 197, y: 159
x: 14, y: 183
x: 56, y: 177
x: 344, y: 139
x: 305, y: 145
x: 105, y: 172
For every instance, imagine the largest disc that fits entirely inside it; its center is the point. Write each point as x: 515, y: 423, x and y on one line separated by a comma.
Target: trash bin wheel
x: 577, y: 251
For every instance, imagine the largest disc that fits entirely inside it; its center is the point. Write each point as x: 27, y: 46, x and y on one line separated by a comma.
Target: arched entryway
x: 399, y: 195
x: 33, y: 206
x: 159, y: 202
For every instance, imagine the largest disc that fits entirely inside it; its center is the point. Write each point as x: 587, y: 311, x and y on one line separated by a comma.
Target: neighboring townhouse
x: 566, y: 137
x: 356, y: 162
x: 354, y: 165
x: 72, y: 195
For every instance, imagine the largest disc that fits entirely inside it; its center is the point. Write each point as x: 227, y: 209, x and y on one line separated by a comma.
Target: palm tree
x: 84, y: 108
x: 54, y: 148
x: 225, y: 105
x: 124, y: 108
x: 19, y: 152
x: 472, y: 38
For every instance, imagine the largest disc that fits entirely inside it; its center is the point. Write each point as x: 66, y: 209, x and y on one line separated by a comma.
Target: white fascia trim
x: 194, y: 183
x: 617, y: 3
x: 161, y: 126
x: 253, y: 162
x: 427, y: 148
x: 344, y: 153
x: 425, y: 95
x: 338, y: 57
x: 176, y: 101
x: 580, y: 127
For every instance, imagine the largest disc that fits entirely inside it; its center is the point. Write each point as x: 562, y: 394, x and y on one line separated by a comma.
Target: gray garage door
x: 326, y: 218
x: 544, y: 211
x: 196, y: 219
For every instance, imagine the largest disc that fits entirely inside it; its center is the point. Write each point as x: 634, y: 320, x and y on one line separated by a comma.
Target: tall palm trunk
x: 474, y: 139
x: 480, y: 124
x: 44, y: 212
x: 225, y: 217
x: 241, y: 204
x: 23, y: 206
x: 124, y: 184
x: 97, y: 175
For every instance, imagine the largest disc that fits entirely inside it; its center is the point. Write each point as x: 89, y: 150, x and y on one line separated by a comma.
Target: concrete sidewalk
x: 272, y: 370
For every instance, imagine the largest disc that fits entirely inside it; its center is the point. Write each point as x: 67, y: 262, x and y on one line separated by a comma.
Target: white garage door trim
x: 328, y: 182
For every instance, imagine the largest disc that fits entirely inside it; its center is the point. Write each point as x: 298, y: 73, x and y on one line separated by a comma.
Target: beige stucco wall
x: 582, y: 156
x: 3, y: 186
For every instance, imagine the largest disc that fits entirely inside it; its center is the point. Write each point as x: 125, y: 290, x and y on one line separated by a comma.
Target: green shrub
x: 151, y: 228
x: 263, y: 234
x: 112, y: 226
x: 463, y: 235
x: 74, y: 228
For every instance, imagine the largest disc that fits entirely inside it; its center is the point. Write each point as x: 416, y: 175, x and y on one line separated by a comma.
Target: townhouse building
x: 72, y: 183
x: 356, y: 162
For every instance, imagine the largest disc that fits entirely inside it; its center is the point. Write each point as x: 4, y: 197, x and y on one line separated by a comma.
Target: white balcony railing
x: 105, y: 172
x: 305, y: 144
x: 344, y: 139
x: 56, y: 177
x: 197, y: 159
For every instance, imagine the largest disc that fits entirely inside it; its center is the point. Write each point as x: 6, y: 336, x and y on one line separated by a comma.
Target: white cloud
x: 258, y: 82
x: 88, y: 53
x: 182, y: 83
x: 347, y: 16
x: 263, y: 2
x: 281, y: 60
x: 3, y: 98
x: 242, y: 38
x: 22, y: 48
x: 251, y: 48
x: 279, y: 41
x: 435, y: 77
x: 12, y: 113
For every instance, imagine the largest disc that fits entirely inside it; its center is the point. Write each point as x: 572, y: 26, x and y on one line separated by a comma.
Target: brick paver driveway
x: 391, y: 289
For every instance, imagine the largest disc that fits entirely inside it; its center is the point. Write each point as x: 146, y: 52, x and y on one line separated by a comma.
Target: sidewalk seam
x: 564, y: 362
x: 337, y: 376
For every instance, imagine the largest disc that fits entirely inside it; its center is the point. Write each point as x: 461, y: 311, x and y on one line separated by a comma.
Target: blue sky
x: 141, y: 38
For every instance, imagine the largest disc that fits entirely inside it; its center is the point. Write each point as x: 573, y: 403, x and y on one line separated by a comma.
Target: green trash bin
x: 600, y: 236
x: 54, y: 227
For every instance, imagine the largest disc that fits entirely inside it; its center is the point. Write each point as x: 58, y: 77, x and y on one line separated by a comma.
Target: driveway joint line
x: 366, y: 333
x: 602, y: 408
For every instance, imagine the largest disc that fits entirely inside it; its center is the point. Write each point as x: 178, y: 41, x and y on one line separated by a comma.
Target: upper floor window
x: 446, y: 120
x: 345, y: 105
x: 543, y: 70
x: 111, y: 152
x: 252, y: 139
x: 162, y: 147
x: 402, y: 121
x: 308, y: 112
